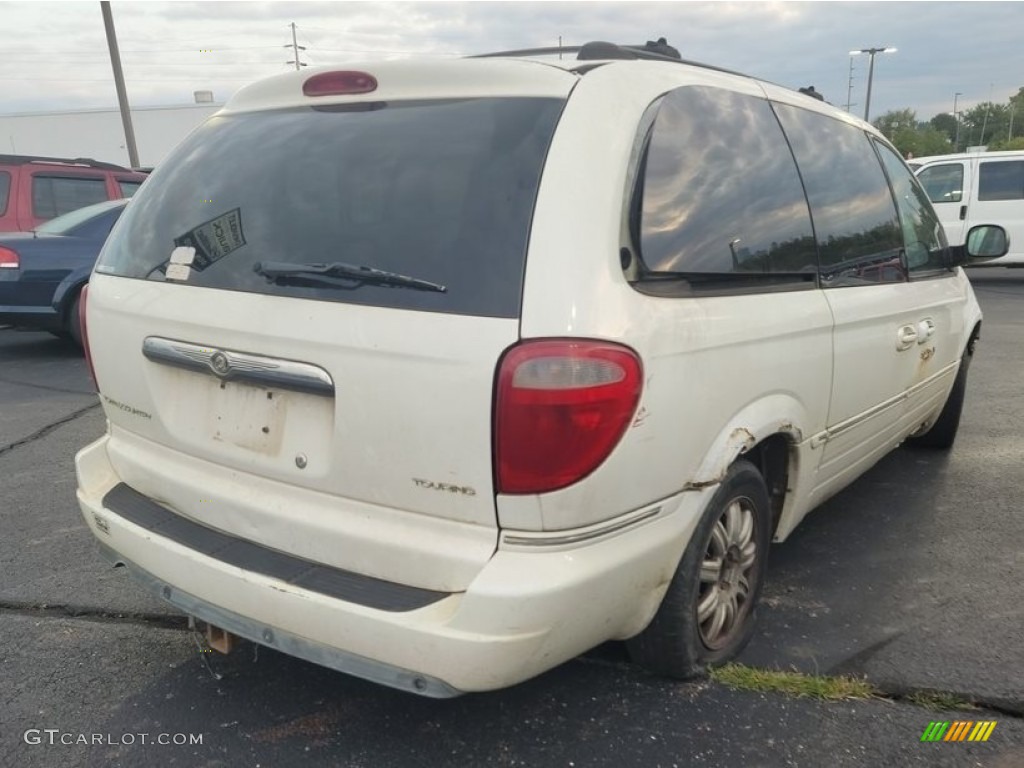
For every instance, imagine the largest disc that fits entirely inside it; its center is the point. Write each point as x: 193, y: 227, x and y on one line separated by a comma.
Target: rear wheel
x: 707, y: 615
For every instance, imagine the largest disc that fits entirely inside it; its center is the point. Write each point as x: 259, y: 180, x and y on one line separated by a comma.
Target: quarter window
x: 923, y: 238
x: 56, y: 195
x: 720, y: 195
x: 1001, y: 181
x: 855, y: 221
x: 943, y: 183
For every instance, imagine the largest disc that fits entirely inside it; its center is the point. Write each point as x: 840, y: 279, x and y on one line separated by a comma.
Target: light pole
x: 871, y: 72
x: 122, y: 93
x: 956, y: 116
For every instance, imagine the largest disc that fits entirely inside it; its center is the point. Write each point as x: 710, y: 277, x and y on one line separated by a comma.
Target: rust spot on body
x: 698, y: 485
x: 744, y: 435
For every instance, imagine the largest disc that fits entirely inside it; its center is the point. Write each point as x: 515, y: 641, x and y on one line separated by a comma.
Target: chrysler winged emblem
x: 219, y: 363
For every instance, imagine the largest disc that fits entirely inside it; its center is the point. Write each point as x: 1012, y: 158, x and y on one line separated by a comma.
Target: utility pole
x: 122, y: 94
x: 296, y: 48
x: 956, y: 116
x: 984, y: 123
x: 849, y: 87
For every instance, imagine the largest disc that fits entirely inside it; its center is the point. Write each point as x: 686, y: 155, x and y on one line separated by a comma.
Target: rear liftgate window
x: 272, y: 202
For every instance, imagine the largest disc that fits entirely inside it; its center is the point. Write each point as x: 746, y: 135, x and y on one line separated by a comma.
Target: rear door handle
x: 963, y: 212
x: 925, y: 330
x: 905, y: 337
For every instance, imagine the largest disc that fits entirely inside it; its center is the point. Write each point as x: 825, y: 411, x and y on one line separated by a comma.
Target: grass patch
x: 792, y: 683
x: 938, y: 701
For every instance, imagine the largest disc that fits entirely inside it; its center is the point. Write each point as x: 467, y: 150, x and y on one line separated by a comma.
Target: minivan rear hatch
x: 310, y: 301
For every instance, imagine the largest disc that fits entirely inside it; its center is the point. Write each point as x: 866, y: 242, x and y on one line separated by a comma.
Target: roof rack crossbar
x: 602, y: 50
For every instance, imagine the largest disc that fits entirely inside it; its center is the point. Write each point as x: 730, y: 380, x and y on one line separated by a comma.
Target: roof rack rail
x: 598, y: 49
x: 528, y: 52
x: 601, y: 50
x: 77, y: 161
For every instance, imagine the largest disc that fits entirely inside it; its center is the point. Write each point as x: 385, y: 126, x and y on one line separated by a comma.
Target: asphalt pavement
x: 910, y: 578
x: 914, y: 576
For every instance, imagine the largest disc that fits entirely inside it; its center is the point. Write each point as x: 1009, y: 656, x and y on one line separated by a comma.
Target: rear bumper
x: 530, y: 608
x: 275, y: 637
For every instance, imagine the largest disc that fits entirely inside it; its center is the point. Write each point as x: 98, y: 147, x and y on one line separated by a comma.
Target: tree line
x: 997, y: 126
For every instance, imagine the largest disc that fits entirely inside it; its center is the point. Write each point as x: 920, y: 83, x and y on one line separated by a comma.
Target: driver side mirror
x: 984, y: 242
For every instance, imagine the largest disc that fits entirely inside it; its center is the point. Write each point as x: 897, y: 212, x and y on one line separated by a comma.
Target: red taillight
x: 83, y: 300
x: 339, y: 84
x: 9, y: 259
x: 562, y: 406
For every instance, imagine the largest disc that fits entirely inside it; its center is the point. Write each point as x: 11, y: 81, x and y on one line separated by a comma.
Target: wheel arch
x: 768, y: 433
x: 972, y: 339
x: 774, y: 458
x: 66, y: 292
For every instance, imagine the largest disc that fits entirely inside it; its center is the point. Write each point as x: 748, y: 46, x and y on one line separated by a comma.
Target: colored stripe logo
x: 959, y: 730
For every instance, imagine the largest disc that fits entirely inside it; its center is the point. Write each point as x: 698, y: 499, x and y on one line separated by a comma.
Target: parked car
x: 978, y: 187
x: 441, y: 373
x: 42, y: 272
x: 34, y: 189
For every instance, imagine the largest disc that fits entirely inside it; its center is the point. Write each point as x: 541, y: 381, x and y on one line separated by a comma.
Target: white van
x: 441, y: 373
x: 970, y: 188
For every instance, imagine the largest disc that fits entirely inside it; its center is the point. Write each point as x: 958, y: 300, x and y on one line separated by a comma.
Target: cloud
x: 62, y: 60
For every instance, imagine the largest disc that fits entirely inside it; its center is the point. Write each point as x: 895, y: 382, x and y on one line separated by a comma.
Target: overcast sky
x: 56, y: 55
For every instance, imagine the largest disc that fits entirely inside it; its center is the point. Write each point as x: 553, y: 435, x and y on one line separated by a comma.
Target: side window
x: 720, y: 196
x: 923, y: 238
x: 5, y: 191
x: 56, y: 195
x: 1001, y: 180
x: 128, y: 188
x: 855, y: 221
x: 943, y: 183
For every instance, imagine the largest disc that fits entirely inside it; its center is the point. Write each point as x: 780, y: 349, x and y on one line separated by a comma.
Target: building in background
x: 98, y: 133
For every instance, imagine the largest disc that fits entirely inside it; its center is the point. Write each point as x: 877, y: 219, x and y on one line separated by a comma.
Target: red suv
x: 36, y: 189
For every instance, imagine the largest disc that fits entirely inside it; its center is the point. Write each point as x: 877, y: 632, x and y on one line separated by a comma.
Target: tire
x: 74, y: 322
x: 942, y: 434
x: 677, y: 643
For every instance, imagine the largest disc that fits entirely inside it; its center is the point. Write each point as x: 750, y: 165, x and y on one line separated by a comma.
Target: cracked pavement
x: 911, y: 578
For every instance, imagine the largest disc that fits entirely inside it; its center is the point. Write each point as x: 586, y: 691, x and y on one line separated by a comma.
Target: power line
x: 162, y: 63
x: 406, y: 53
x: 347, y: 33
x: 240, y: 79
x: 196, y: 49
x: 213, y: 48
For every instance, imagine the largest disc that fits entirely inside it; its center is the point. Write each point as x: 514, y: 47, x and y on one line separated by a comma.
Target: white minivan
x: 974, y: 188
x: 441, y: 373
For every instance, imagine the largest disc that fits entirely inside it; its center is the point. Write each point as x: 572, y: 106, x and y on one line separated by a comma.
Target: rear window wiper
x: 340, y: 274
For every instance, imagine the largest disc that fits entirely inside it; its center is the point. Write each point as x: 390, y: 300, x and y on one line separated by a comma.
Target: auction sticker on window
x: 214, y: 239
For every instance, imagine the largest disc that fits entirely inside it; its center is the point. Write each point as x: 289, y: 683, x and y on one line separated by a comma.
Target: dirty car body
x: 537, y: 366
